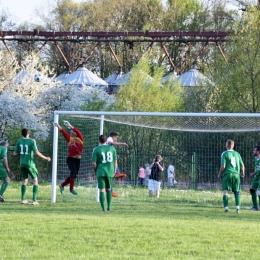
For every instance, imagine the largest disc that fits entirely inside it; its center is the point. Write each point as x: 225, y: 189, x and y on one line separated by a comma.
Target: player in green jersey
x: 4, y: 169
x: 232, y: 167
x: 104, y: 162
x: 26, y: 147
x: 255, y: 186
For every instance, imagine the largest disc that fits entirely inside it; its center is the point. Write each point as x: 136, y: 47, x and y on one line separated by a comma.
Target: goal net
x: 192, y: 141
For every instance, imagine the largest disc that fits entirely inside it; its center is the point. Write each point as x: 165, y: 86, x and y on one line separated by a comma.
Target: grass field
x: 182, y: 224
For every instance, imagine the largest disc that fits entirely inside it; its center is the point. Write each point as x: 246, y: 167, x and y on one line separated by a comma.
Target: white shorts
x: 154, y: 185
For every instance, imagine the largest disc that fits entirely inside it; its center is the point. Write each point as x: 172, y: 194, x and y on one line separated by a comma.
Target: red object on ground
x: 120, y: 175
x: 114, y: 194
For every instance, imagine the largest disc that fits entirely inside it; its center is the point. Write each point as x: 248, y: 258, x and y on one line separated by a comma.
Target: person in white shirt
x: 147, y: 172
x: 112, y: 140
x: 171, y: 174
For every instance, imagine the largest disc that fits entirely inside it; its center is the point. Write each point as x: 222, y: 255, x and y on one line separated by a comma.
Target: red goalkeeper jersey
x: 75, y: 143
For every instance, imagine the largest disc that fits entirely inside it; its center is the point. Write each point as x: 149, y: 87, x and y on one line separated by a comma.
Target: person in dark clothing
x: 155, y: 178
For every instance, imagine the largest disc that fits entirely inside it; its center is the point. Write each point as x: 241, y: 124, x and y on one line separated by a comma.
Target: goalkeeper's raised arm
x: 74, y: 132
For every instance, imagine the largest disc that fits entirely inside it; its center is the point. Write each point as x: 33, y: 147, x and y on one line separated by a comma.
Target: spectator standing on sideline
x: 26, y: 147
x: 255, y: 185
x: 147, y: 173
x: 104, y: 162
x: 4, y: 169
x: 75, y: 142
x: 170, y: 173
x: 155, y: 178
x: 141, y: 175
x: 112, y: 140
x: 232, y: 167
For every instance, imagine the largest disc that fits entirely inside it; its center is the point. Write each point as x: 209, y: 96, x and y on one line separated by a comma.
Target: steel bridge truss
x: 77, y: 57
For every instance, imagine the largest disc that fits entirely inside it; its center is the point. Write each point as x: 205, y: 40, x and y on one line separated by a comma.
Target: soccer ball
x: 38, y: 77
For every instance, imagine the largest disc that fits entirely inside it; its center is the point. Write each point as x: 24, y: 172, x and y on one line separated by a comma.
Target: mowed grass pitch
x: 182, y: 224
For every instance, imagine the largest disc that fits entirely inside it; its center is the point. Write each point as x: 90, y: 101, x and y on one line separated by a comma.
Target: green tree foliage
x: 96, y: 104
x: 215, y: 15
x: 143, y: 93
x: 183, y: 15
x: 199, y: 98
x: 238, y: 79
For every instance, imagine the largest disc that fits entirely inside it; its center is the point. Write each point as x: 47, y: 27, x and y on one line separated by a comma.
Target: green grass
x: 182, y: 224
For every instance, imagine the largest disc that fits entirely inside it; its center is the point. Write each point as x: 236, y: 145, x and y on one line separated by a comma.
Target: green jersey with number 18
x: 104, y: 156
x: 26, y: 147
x: 232, y: 161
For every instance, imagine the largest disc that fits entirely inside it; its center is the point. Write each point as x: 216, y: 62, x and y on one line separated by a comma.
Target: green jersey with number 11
x: 232, y: 161
x: 104, y: 156
x: 26, y: 147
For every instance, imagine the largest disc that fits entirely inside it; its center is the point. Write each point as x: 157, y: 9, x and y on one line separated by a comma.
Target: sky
x: 23, y: 10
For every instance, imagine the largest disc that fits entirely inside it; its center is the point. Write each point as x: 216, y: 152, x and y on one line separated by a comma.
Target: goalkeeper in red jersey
x: 75, y: 142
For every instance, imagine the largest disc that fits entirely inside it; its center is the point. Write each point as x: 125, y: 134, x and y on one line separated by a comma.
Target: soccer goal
x: 192, y: 141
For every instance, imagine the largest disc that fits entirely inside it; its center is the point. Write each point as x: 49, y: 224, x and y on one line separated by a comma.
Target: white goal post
x: 190, y: 122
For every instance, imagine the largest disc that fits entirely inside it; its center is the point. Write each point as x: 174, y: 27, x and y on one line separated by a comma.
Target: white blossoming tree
x: 18, y: 92
x: 27, y: 103
x: 69, y: 98
x: 23, y: 82
x: 8, y: 68
x: 15, y: 112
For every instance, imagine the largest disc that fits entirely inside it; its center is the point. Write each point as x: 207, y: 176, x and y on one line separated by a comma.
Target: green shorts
x: 32, y: 171
x: 231, y: 182
x: 105, y: 182
x: 3, y: 173
x: 255, y: 183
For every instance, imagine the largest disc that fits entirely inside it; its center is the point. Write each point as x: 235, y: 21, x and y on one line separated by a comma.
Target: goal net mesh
x: 193, y: 143
x: 190, y: 123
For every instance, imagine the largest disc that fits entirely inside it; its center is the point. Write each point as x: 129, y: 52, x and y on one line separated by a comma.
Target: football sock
x: 72, y: 180
x: 23, y: 191
x: 109, y: 198
x: 225, y: 200
x: 67, y: 181
x: 259, y: 200
x: 3, y: 187
x: 254, y: 199
x: 102, y: 199
x: 237, y: 199
x: 35, y: 192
